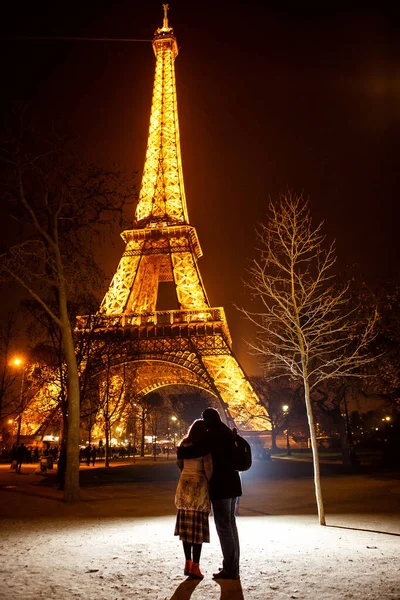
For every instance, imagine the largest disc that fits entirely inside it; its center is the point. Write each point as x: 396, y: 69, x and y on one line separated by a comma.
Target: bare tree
x: 144, y: 408
x: 157, y: 417
x: 42, y: 409
x: 112, y: 395
x: 384, y: 380
x: 51, y: 369
x: 61, y: 204
x: 306, y: 326
x: 331, y: 399
x: 8, y: 378
x: 187, y: 405
x: 274, y: 395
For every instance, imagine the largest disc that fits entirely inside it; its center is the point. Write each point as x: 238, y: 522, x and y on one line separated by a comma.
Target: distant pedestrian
x: 62, y: 466
x: 13, y: 456
x: 192, y: 499
x: 88, y: 450
x: 20, y: 456
x: 93, y: 455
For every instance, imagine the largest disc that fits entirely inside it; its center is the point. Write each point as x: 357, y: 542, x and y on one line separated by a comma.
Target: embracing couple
x: 207, y: 477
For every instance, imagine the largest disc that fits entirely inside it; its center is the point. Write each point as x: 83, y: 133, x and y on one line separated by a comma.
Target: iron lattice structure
x: 192, y: 345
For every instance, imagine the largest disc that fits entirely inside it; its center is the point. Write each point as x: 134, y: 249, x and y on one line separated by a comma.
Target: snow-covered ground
x: 118, y: 542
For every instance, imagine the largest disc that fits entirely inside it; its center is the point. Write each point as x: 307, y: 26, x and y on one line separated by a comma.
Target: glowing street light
x: 19, y: 363
x: 176, y: 423
x: 285, y: 409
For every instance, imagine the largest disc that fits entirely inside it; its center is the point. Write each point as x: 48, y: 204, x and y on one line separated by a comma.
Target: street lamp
x: 285, y: 409
x: 18, y: 362
x: 174, y: 419
x: 11, y: 423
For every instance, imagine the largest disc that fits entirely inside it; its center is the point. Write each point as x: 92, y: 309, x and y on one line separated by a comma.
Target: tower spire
x: 162, y: 199
x: 165, y: 26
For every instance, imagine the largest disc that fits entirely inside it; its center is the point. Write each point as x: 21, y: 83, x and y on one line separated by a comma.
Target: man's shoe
x: 222, y: 574
x: 219, y: 571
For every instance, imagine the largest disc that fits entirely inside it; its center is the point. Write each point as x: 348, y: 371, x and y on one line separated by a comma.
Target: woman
x: 192, y: 500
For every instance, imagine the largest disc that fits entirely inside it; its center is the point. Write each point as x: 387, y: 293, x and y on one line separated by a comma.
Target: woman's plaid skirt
x: 192, y: 526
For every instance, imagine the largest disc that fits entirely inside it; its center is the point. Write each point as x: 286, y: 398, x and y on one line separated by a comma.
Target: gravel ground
x: 118, y: 542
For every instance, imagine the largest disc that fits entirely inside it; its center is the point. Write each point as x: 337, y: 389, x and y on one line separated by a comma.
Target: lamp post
x: 285, y: 409
x: 175, y: 421
x: 18, y: 362
x: 11, y: 423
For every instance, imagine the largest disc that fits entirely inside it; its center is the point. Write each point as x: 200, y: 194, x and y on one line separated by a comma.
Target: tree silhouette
x: 61, y: 205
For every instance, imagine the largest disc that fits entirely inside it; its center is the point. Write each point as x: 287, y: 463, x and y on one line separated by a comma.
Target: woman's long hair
x: 196, y: 434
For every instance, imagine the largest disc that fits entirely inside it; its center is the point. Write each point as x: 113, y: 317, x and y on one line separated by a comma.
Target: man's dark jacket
x: 21, y: 454
x: 225, y: 482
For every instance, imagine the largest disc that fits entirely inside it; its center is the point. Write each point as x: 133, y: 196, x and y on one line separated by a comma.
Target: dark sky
x: 269, y: 97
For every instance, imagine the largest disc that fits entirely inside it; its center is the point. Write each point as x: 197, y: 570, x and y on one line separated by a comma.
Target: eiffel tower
x: 189, y: 346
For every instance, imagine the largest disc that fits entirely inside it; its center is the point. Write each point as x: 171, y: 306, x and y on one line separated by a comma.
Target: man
x: 93, y: 455
x: 88, y: 450
x: 225, y: 488
x: 20, y: 456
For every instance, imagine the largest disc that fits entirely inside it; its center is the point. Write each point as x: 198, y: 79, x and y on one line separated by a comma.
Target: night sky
x: 269, y: 97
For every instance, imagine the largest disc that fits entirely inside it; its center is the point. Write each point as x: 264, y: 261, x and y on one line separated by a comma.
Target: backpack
x: 241, y: 453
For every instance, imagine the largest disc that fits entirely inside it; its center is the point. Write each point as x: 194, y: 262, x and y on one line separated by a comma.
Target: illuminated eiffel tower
x: 192, y: 345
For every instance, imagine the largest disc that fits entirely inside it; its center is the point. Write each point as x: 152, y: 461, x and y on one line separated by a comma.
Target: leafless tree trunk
x: 113, y: 397
x: 61, y: 205
x: 9, y: 398
x: 143, y: 413
x: 305, y: 325
x: 273, y: 395
x: 71, y: 493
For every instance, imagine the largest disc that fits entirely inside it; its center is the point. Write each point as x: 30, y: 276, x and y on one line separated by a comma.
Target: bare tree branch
x: 306, y: 327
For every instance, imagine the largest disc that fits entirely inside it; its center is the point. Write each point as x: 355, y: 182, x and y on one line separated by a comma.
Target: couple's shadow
x: 231, y: 589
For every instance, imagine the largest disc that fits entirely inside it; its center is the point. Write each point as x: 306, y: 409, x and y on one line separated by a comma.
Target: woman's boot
x: 195, y: 572
x: 188, y: 565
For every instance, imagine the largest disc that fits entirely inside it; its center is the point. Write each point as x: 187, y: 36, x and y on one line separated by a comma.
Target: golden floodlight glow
x: 190, y: 345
